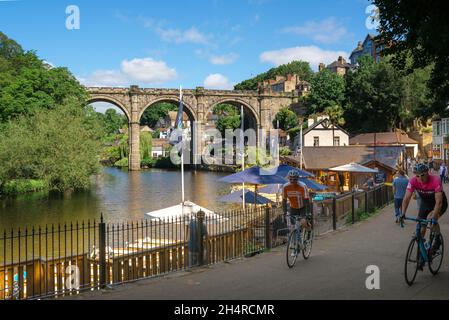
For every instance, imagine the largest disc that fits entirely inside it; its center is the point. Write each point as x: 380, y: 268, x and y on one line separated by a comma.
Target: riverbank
x: 22, y: 186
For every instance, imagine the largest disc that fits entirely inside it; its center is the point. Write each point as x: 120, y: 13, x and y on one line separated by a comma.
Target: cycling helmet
x: 421, y: 168
x: 293, y: 174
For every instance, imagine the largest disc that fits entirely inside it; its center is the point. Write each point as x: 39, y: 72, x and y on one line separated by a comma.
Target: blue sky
x: 215, y: 43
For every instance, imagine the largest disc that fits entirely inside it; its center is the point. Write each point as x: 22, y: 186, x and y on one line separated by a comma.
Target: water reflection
x: 118, y: 194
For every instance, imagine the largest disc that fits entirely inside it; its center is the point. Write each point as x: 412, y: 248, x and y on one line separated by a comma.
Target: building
x: 159, y: 148
x: 321, y: 133
x: 370, y: 46
x: 440, y: 140
x: 291, y: 83
x: 340, y: 66
x: 398, y: 138
x: 146, y: 129
x: 319, y: 160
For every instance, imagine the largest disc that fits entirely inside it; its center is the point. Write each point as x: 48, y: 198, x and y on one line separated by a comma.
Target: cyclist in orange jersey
x: 297, y: 195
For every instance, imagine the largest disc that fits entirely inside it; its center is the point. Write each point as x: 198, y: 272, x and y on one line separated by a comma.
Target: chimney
x: 321, y: 67
x: 340, y: 60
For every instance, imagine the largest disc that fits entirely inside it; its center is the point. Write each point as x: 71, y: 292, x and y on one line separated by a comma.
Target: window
x: 336, y: 141
x: 316, y: 141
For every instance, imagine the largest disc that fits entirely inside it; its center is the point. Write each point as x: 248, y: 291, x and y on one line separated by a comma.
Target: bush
x: 110, y: 154
x: 122, y: 163
x: 15, y: 187
x: 147, y: 162
x: 59, y: 146
x: 285, y: 151
x: 164, y: 163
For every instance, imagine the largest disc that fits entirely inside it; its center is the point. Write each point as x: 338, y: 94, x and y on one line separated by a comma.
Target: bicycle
x: 418, y: 259
x: 299, y: 241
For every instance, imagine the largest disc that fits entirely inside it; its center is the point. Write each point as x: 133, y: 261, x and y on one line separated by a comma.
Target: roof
x: 340, y: 63
x: 160, y: 142
x: 316, y: 124
x: 318, y: 158
x: 174, y: 114
x: 385, y: 138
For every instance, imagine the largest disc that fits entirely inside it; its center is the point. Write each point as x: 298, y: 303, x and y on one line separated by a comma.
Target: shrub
x: 285, y: 151
x: 122, y: 163
x: 21, y: 186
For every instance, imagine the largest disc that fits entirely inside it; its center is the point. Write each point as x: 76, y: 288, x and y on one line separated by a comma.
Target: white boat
x: 181, y: 212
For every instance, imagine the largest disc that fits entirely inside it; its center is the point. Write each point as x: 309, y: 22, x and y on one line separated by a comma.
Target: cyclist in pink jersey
x: 433, y: 199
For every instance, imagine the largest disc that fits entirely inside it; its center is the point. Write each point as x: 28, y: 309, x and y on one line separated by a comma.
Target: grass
x: 22, y: 186
x: 361, y: 215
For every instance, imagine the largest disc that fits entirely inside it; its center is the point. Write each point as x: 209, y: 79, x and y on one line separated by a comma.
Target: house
x: 164, y: 133
x: 159, y: 148
x: 146, y: 129
x: 370, y: 46
x: 318, y: 160
x: 340, y: 66
x: 398, y: 138
x: 290, y: 83
x: 321, y: 133
x: 440, y: 140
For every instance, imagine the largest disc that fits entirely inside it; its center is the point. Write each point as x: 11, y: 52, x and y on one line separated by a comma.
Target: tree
x: 155, y: 112
x: 228, y: 117
x: 419, y: 27
x: 335, y: 114
x: 113, y: 121
x: 59, y: 146
x: 373, y: 97
x: 287, y: 119
x: 301, y: 68
x: 327, y: 90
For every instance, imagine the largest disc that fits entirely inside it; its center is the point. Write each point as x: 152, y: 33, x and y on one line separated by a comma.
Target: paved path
x: 336, y: 270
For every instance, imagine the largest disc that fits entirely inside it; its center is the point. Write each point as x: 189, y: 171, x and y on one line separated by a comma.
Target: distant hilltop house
x: 398, y: 138
x: 370, y: 46
x: 291, y: 83
x: 322, y: 133
x: 340, y: 66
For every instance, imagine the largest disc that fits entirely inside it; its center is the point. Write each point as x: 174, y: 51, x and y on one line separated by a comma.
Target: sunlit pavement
x: 335, y: 270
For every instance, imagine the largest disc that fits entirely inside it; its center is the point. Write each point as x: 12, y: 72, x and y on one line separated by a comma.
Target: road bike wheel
x: 307, y: 242
x: 436, y: 260
x: 411, y: 262
x: 292, y: 248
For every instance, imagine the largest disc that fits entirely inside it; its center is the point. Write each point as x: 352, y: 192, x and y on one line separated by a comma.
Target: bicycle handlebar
x: 426, y: 221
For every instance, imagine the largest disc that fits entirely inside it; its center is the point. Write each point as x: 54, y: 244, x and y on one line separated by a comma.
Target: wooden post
x: 353, y: 207
x: 267, y: 228
x: 334, y: 213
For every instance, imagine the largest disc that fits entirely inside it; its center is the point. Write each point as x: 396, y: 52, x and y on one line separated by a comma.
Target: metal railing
x: 67, y: 259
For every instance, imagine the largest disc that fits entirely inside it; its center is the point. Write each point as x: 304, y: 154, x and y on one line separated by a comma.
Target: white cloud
x: 146, y: 70
x: 311, y: 54
x: 217, y: 81
x: 325, y: 31
x: 191, y: 35
x: 224, y: 59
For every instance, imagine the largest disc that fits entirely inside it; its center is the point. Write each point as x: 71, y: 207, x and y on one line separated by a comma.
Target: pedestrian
x: 443, y: 171
x: 400, y: 184
x: 197, y: 231
x: 431, y: 167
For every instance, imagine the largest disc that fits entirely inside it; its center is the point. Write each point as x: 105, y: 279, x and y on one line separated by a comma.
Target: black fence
x: 68, y: 259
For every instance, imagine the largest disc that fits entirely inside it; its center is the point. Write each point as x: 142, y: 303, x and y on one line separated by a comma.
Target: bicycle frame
x: 418, y: 236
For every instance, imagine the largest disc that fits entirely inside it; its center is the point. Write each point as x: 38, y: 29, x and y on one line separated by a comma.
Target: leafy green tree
x: 335, y: 114
x: 113, y: 121
x: 59, y: 146
x: 373, y: 97
x: 419, y: 27
x: 327, y: 90
x: 228, y: 117
x: 155, y: 112
x: 146, y: 145
x: 287, y: 119
x: 301, y: 68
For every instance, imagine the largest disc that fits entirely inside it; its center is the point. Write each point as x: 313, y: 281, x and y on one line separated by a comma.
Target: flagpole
x: 182, y: 150
x: 242, y: 138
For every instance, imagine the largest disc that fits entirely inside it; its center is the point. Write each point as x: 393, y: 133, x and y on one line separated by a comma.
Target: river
x: 118, y: 194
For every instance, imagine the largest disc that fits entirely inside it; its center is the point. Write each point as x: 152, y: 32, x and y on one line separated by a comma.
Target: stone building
x: 340, y: 66
x: 370, y: 46
x: 291, y: 83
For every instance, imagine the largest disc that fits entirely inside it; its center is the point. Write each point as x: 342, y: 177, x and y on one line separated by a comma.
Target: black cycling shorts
x: 426, y: 208
x: 302, y: 213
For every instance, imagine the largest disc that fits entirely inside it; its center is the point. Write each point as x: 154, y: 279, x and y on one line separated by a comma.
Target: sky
x: 171, y: 43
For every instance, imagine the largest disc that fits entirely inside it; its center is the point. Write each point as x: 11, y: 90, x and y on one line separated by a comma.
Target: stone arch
x: 237, y: 102
x: 187, y: 107
x: 115, y: 102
